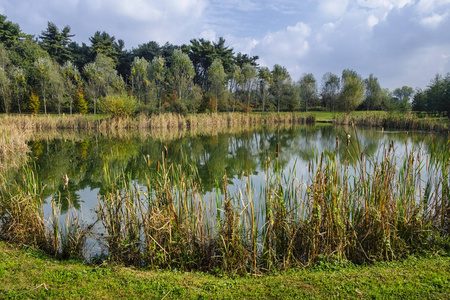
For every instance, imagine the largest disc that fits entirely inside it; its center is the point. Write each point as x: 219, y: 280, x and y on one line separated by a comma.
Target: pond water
x: 82, y: 156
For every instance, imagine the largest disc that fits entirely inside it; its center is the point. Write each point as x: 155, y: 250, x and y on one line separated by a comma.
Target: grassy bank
x: 45, y: 277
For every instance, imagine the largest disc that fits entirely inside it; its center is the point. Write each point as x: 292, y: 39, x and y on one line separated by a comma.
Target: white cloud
x: 209, y: 35
x: 332, y: 8
x: 433, y: 21
x: 372, y: 21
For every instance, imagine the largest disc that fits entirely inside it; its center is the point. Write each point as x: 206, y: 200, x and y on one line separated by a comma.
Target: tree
x: 242, y: 59
x: 249, y: 80
x: 217, y: 79
x: 102, y: 78
x: 9, y: 32
x: 5, y: 91
x: 72, y: 81
x: 265, y: 80
x: 330, y: 90
x: 352, y: 92
x: 139, y: 81
x: 182, y: 73
x: 18, y: 85
x: 280, y: 80
x: 308, y: 90
x: 157, y: 73
x: 103, y: 43
x: 373, y: 93
x: 202, y: 53
x: 419, y: 102
x: 234, y: 78
x: 148, y: 51
x: 42, y: 72
x: 56, y: 42
x: 402, y: 96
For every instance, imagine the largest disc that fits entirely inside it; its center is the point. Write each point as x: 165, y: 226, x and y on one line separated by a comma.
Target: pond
x: 81, y: 156
x: 268, y: 211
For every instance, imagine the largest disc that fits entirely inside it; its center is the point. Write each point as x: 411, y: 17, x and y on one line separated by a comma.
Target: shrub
x: 118, y: 105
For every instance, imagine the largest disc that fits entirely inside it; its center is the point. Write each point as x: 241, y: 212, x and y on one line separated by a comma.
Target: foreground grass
x: 30, y: 274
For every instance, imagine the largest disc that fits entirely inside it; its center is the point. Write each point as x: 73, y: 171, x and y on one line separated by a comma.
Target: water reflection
x: 82, y: 158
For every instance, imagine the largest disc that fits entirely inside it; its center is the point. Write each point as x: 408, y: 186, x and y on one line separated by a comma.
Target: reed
x: 405, y: 121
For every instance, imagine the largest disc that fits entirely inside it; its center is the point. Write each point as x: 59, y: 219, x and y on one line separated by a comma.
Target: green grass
x: 26, y: 274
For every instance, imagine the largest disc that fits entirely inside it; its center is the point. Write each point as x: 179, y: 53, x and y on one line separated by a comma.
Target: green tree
x: 139, y: 80
x: 373, y: 93
x: 157, y: 74
x: 265, y: 79
x: 352, y: 93
x: 5, y: 91
x: 402, y: 96
x: 18, y: 85
x: 280, y: 81
x: 103, y: 43
x: 182, y: 73
x: 419, y: 102
x: 308, y: 90
x: 56, y: 42
x: 72, y: 81
x: 234, y: 78
x: 202, y: 53
x: 217, y: 80
x: 9, y: 32
x: 249, y: 81
x: 43, y: 68
x: 102, y: 78
x: 330, y: 90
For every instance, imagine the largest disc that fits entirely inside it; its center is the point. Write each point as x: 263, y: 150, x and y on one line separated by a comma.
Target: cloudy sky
x: 402, y: 42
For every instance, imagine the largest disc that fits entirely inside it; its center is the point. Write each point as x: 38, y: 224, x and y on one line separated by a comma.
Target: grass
x: 45, y: 277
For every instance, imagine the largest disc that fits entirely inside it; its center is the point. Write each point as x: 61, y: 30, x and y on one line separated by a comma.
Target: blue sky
x: 402, y: 42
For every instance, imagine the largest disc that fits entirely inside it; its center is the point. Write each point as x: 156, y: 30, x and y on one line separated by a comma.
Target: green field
x: 26, y: 274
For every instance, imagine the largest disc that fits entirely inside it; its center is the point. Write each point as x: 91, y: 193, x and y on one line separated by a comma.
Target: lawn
x: 27, y: 273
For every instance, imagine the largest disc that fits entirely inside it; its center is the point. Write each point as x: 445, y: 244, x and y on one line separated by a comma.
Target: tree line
x: 52, y: 73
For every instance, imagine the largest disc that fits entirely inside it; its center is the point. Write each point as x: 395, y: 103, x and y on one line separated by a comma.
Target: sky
x: 401, y: 42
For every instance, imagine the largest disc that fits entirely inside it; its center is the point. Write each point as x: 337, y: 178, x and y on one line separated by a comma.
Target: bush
x: 119, y: 105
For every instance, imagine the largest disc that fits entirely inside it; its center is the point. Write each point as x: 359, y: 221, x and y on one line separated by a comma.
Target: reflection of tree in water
x: 83, y: 160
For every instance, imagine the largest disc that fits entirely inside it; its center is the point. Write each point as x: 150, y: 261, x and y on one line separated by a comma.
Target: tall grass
x: 405, y: 121
x: 382, y: 207
x: 377, y: 209
x: 157, y: 121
